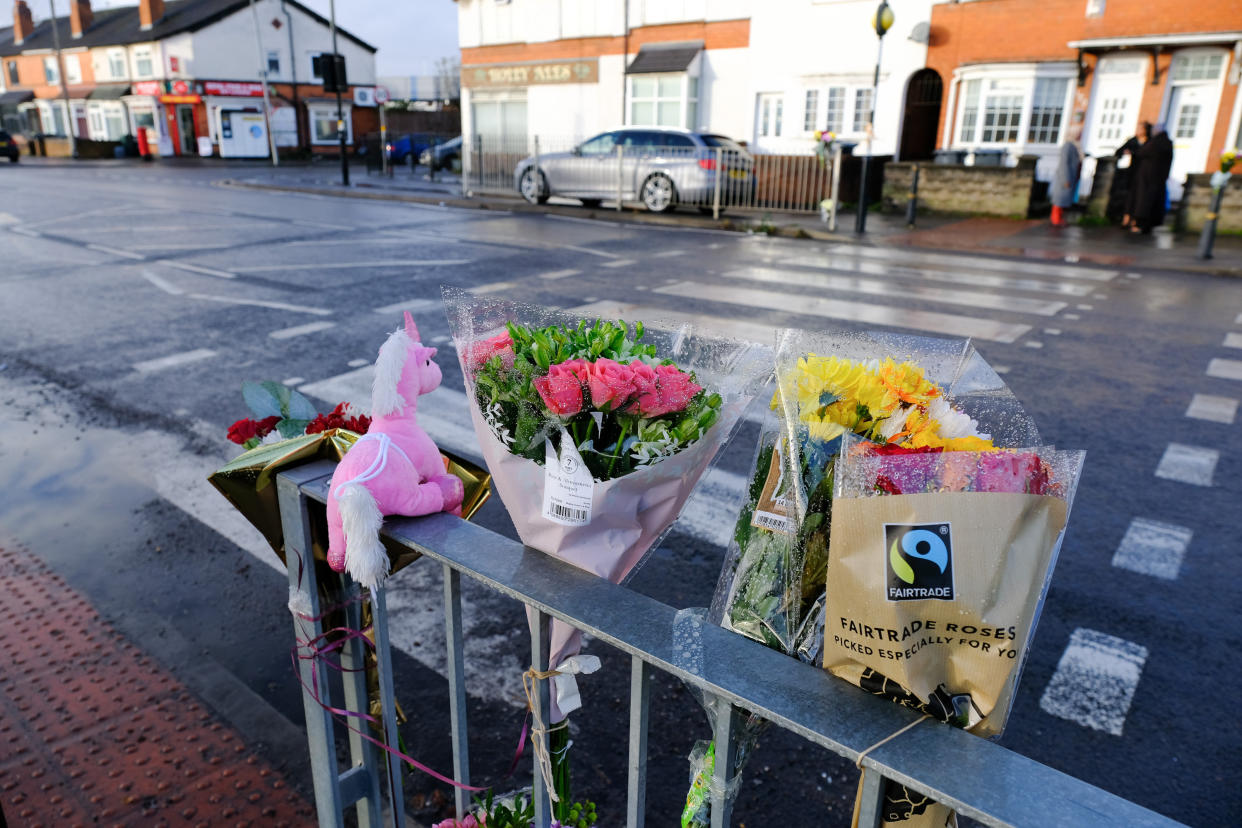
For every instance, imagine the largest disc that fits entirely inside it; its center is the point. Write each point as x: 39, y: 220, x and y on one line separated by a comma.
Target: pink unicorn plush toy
x: 394, y: 469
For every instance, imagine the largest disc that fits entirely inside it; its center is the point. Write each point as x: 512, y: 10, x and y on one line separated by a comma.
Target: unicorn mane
x: 385, y: 400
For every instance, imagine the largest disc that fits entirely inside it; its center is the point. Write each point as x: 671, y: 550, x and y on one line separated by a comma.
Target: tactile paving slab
x: 94, y: 732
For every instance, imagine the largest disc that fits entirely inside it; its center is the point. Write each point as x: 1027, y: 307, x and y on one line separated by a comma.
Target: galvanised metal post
x: 912, y: 203
x: 1208, y: 236
x: 620, y: 174
x: 716, y: 194
x: 882, y: 22
x: 836, y: 188
x: 340, y: 116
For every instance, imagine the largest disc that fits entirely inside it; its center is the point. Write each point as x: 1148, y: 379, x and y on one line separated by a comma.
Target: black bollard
x: 1208, y: 237
x: 913, y: 202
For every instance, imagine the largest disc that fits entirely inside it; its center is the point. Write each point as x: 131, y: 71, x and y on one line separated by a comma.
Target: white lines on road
x: 850, y: 264
x: 1030, y: 343
x: 319, y: 224
x: 1213, y: 408
x: 1233, y: 340
x: 358, y: 363
x: 1052, y: 331
x: 1085, y: 307
x: 618, y: 263
x: 559, y: 274
x: 260, y: 303
x: 1095, y: 681
x: 494, y: 287
x: 601, y: 253
x: 112, y: 251
x: 25, y: 231
x: 9, y: 218
x: 351, y: 265
x: 301, y: 330
x: 173, y: 360
x: 1237, y: 320
x: 414, y: 306
x: 292, y: 381
x: 1188, y: 464
x: 941, y: 323
x: 1070, y: 316
x: 1153, y: 548
x: 193, y: 268
x: 1134, y: 275
x: 162, y: 284
x: 667, y: 254
x: 974, y: 263
x: 1225, y: 369
x: 663, y: 318
x: 884, y: 287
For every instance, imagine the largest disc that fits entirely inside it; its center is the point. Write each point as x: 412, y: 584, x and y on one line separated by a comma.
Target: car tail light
x: 707, y: 163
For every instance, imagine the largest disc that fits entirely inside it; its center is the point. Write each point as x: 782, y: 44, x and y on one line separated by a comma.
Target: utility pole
x: 267, y: 104
x: 64, y: 89
x: 340, y: 115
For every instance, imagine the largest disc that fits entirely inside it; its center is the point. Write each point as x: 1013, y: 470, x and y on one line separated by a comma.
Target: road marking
x: 292, y: 381
x: 663, y: 318
x: 1213, y: 408
x: 618, y: 263
x: 494, y: 287
x: 351, y: 265
x: 112, y: 251
x: 1225, y: 369
x: 203, y: 245
x: 1085, y: 307
x: 1134, y: 275
x: 665, y: 254
x: 1233, y: 340
x: 1153, y: 548
x: 173, y: 360
x: 559, y: 274
x: 441, y: 340
x: 1001, y: 369
x: 1095, y: 681
x: 163, y: 285
x: 411, y: 305
x: 9, y: 218
x: 1070, y: 316
x: 23, y: 231
x: 881, y: 287
x: 1101, y: 296
x: 301, y: 330
x: 193, y: 268
x: 259, y: 303
x: 1052, y: 331
x: 1188, y: 464
x: 358, y: 363
x: 600, y: 253
x: 974, y: 263
x: 987, y: 280
x: 305, y: 223
x: 1030, y: 343
x: 1237, y: 320
x: 941, y: 323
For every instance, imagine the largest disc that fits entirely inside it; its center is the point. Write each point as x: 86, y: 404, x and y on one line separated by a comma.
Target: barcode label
x: 568, y: 487
x: 767, y: 520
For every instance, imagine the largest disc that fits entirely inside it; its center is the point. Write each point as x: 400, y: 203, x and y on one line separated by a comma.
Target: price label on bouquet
x: 772, y: 510
x: 567, y: 485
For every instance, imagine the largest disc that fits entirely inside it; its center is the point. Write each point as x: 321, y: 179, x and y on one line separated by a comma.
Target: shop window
x: 810, y: 115
x: 1047, y: 110
x: 1197, y: 66
x: 116, y: 64
x: 323, y: 127
x: 771, y: 109
x: 51, y: 72
x: 664, y: 100
x: 143, y: 119
x: 143, y: 65
x: 862, y: 109
x: 836, y: 109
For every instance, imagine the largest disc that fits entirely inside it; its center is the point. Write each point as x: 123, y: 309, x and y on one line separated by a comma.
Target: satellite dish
x: 921, y: 33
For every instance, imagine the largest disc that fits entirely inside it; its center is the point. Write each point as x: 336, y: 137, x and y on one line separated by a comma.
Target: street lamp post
x: 882, y: 22
x: 64, y: 88
x: 340, y: 115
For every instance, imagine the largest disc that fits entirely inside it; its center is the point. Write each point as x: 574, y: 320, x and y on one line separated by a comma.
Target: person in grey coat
x: 1064, y: 188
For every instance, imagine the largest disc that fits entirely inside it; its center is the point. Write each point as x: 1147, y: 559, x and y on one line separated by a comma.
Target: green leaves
x: 271, y: 399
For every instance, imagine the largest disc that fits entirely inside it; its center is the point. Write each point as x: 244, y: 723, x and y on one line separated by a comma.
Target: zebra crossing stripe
x: 1233, y: 340
x: 956, y: 277
x: 1225, y: 369
x: 663, y: 318
x: 974, y: 263
x: 930, y: 321
x: 1213, y: 408
x: 1095, y: 680
x: 1153, y: 548
x: 1188, y: 464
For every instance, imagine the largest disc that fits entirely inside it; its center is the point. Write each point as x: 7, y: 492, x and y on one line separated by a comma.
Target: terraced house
x: 189, y: 73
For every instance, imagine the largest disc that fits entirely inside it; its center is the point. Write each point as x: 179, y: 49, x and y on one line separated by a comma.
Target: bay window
x: 1024, y: 106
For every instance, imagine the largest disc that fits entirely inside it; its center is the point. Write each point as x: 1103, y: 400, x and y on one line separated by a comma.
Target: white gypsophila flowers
x: 494, y: 415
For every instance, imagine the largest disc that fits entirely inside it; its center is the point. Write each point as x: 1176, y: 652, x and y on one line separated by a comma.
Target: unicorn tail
x: 365, y: 558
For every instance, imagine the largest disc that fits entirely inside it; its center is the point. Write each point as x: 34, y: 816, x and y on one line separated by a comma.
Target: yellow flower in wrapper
x: 1227, y: 159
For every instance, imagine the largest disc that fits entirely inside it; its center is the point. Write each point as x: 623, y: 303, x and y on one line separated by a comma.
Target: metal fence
x: 976, y: 777
x: 654, y: 170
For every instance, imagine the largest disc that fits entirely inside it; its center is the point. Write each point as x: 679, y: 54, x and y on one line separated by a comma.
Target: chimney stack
x: 23, y: 22
x: 150, y: 12
x: 80, y: 16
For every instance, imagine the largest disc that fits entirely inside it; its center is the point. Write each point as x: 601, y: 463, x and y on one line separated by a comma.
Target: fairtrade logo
x: 920, y: 562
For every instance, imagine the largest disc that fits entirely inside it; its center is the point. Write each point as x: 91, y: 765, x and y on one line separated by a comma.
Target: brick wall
x: 1198, y: 201
x: 955, y: 188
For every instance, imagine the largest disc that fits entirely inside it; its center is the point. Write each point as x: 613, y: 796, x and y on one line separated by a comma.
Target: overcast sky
x: 410, y: 34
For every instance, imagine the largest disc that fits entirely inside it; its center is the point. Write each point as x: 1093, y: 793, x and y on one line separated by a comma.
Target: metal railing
x: 713, y: 179
x: 977, y: 778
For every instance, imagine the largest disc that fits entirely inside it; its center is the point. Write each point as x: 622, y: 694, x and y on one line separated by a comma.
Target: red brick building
x: 1019, y: 75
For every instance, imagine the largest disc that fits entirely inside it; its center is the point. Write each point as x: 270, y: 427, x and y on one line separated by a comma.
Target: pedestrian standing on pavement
x: 1149, y: 190
x: 1065, y: 182
x: 1123, y: 178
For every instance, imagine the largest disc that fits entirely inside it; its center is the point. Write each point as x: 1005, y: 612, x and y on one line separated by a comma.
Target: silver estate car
x: 659, y: 166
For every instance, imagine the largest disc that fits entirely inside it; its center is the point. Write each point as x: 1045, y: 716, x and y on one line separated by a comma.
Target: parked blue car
x: 409, y: 148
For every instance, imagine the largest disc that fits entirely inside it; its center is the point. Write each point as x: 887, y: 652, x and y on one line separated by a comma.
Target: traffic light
x: 331, y: 68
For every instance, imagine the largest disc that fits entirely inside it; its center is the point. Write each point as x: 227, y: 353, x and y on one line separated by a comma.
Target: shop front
x: 146, y: 114
x: 184, y: 115
x: 503, y: 104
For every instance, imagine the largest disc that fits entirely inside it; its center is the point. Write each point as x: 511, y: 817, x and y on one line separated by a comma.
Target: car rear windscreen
x: 721, y: 141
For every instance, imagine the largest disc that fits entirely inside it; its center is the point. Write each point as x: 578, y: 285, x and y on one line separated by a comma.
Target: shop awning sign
x: 233, y: 89
x: 498, y: 75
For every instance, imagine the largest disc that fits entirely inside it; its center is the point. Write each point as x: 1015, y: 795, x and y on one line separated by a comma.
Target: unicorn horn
x: 410, y: 328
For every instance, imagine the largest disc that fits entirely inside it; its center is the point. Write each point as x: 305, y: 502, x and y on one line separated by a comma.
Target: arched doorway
x: 922, y: 116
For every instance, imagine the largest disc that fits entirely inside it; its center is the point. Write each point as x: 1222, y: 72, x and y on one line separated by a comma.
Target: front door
x: 1195, y: 77
x: 185, y: 129
x: 1115, y: 99
x: 922, y: 115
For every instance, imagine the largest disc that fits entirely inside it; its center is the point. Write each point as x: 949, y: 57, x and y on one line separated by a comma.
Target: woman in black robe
x: 1148, y: 192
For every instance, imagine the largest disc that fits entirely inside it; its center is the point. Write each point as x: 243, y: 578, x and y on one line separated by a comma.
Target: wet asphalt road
x: 134, y: 301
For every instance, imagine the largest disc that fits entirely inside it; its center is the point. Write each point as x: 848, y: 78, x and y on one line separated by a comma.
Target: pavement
x: 95, y: 731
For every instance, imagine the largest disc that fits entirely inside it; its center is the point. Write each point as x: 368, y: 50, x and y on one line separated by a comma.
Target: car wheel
x: 592, y: 203
x: 533, y: 186
x: 658, y: 193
